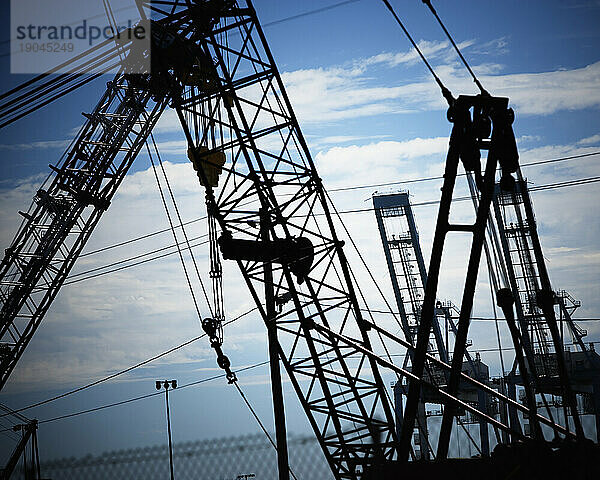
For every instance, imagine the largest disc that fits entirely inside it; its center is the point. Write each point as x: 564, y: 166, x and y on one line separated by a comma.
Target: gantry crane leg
x: 465, y: 144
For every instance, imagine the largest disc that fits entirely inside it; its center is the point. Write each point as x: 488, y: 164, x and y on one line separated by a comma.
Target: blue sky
x: 371, y: 114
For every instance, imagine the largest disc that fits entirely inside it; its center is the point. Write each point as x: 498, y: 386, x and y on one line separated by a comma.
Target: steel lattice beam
x: 66, y: 210
x: 269, y: 173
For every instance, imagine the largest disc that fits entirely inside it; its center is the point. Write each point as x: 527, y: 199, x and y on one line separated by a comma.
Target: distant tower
x: 406, y: 267
x: 405, y: 263
x: 528, y: 278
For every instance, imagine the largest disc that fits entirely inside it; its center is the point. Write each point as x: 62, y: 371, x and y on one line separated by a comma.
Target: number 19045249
x: 47, y: 47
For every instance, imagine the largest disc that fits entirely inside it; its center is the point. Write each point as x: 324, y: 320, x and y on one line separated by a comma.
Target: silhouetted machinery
x: 404, y: 258
x: 406, y: 266
x: 525, y: 268
x: 266, y: 203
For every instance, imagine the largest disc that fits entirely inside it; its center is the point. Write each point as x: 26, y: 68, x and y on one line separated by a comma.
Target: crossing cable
x: 154, y: 394
x: 476, y: 319
x: 568, y: 183
x: 126, y: 370
x: 174, y: 233
x: 445, y: 92
x: 125, y: 267
x: 538, y: 188
x: 10, y: 411
x: 428, y: 3
x: 428, y: 179
x: 8, y: 431
x: 256, y: 417
x: 25, y: 108
x: 143, y: 397
x: 123, y: 402
x: 142, y: 237
x: 331, y: 190
x: 198, y: 382
x: 310, y: 12
x: 135, y: 257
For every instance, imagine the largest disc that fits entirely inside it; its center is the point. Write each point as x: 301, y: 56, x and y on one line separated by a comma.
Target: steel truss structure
x: 406, y: 266
x: 211, y: 64
x: 527, y: 271
x: 539, y: 315
x: 269, y: 180
x: 475, y: 119
x: 65, y: 211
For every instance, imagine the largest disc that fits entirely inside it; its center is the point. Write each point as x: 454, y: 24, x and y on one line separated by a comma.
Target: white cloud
x: 378, y: 163
x: 549, y: 92
x: 496, y: 46
x: 429, y: 49
x: 337, y: 139
x: 593, y: 140
x: 328, y: 95
x: 337, y: 93
x: 168, y: 122
x: 528, y: 139
x: 42, y: 145
x: 354, y: 159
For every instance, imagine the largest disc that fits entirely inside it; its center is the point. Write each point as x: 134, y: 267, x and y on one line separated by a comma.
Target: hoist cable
x: 445, y: 92
x: 428, y: 3
x: 162, y: 196
x: 185, y: 236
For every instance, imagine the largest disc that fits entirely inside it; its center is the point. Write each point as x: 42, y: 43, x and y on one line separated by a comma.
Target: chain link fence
x: 215, y: 459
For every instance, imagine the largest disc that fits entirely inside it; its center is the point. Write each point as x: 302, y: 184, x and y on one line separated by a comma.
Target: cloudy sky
x: 372, y: 115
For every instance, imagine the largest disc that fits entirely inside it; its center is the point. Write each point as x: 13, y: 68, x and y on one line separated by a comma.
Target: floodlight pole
x: 166, y: 384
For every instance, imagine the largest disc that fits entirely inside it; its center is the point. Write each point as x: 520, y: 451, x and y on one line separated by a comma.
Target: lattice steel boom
x: 66, y: 209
